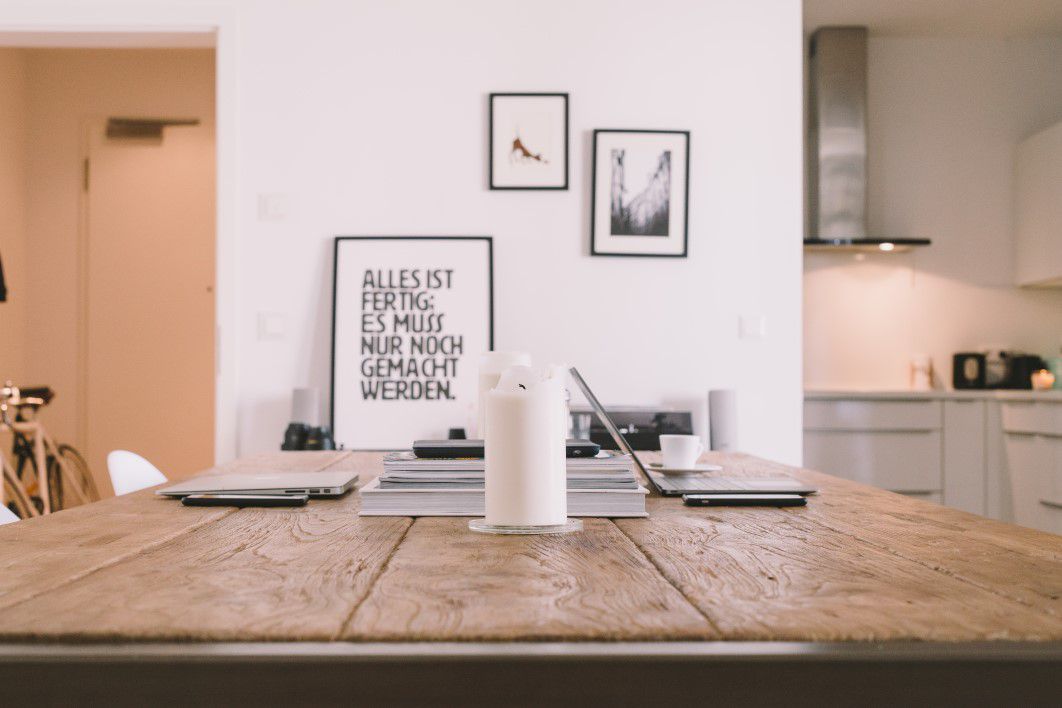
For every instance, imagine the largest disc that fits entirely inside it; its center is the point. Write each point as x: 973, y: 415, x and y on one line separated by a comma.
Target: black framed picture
x: 640, y: 198
x: 411, y: 315
x: 528, y: 141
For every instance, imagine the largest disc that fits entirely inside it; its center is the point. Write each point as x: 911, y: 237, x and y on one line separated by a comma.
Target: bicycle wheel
x: 77, y: 467
x: 55, y: 484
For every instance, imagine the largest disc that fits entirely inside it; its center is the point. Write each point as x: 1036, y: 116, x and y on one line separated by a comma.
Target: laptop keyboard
x: 706, y: 484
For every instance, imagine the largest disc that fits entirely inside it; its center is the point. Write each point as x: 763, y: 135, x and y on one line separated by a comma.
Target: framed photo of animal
x: 528, y: 141
x: 641, y: 193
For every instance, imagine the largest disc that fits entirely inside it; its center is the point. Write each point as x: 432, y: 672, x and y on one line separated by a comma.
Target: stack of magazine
x: 605, y: 485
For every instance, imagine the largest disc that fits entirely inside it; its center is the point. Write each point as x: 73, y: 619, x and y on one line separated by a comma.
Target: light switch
x: 273, y: 207
x: 752, y: 326
x: 272, y: 326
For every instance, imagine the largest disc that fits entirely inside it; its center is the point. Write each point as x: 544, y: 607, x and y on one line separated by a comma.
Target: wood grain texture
x: 256, y: 574
x: 856, y: 564
x: 776, y: 574
x: 1014, y: 562
x: 253, y: 573
x: 445, y: 582
x: 43, y: 553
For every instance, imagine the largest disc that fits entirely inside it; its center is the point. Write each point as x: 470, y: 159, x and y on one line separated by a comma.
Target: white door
x: 148, y: 312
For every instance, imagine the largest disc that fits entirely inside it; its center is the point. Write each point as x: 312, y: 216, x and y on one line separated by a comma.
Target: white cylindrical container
x: 722, y: 419
x: 526, y: 465
x: 306, y: 407
x: 560, y: 373
x: 921, y: 372
x: 491, y: 366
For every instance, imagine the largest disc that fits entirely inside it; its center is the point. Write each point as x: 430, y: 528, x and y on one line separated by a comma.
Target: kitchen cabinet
x: 995, y: 453
x: 964, y: 471
x: 1038, y: 209
x: 1032, y: 434
x: 891, y: 444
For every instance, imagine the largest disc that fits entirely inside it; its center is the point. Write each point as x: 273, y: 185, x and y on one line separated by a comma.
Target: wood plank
x: 857, y: 563
x: 43, y: 553
x: 1012, y: 561
x: 1017, y: 563
x: 776, y: 574
x: 256, y: 574
x: 447, y: 583
x: 40, y: 554
x: 296, y: 461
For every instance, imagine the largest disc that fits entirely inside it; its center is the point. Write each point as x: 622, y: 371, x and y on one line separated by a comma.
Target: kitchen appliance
x: 641, y: 426
x: 1019, y: 370
x: 995, y: 365
x: 994, y: 368
x: 968, y: 371
x: 837, y: 146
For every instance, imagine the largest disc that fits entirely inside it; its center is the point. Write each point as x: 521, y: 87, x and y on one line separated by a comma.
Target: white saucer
x: 696, y: 469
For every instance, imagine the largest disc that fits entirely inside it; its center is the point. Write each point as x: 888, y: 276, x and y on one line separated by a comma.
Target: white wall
x: 945, y: 116
x: 13, y: 238
x: 370, y: 118
x: 374, y: 121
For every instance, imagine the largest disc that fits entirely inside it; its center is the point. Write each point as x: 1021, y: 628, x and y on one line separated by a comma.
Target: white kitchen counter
x: 991, y: 452
x: 1053, y: 396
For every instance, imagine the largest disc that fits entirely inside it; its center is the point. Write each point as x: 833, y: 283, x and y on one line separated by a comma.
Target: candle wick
x: 522, y: 386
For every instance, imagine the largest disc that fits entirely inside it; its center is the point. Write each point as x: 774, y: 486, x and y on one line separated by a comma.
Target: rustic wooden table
x: 859, y: 591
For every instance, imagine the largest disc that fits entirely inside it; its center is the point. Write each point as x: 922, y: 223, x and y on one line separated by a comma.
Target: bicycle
x: 45, y: 476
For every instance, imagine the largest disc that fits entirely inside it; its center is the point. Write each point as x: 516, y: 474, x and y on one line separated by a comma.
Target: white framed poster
x: 640, y: 200
x: 411, y: 316
x: 528, y: 141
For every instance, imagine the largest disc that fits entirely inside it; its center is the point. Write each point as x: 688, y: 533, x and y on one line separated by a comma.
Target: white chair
x: 130, y: 472
x: 7, y: 516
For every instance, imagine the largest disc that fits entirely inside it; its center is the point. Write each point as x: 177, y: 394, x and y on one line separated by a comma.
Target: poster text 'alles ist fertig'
x: 406, y: 352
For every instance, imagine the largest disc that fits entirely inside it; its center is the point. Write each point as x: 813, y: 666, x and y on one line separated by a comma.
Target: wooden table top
x: 856, y: 564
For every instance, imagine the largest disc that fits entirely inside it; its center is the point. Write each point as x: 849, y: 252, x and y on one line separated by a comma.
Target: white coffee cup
x: 681, y: 451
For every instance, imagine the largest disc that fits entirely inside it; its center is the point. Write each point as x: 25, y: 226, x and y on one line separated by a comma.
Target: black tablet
x: 456, y: 449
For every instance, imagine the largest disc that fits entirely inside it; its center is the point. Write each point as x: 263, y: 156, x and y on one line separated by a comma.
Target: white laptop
x: 315, y: 484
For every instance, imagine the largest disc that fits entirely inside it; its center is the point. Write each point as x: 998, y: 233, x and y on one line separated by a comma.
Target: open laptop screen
x: 610, y: 426
x: 694, y: 483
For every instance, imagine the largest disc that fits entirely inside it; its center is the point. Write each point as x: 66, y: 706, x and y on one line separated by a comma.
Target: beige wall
x: 13, y: 237
x: 66, y: 87
x: 945, y: 117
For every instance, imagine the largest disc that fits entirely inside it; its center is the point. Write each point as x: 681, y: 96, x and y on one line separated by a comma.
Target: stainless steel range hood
x: 837, y: 145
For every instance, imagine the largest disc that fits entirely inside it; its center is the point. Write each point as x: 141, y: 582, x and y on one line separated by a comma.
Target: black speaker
x: 968, y: 371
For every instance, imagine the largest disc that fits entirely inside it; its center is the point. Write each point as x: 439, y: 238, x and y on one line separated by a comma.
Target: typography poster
x: 411, y: 317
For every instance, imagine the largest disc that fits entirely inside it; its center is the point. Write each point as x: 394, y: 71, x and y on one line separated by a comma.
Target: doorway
x: 119, y: 250
x: 147, y: 251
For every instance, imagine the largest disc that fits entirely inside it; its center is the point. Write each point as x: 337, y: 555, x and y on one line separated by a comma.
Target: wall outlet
x: 273, y: 207
x: 752, y: 326
x: 272, y: 326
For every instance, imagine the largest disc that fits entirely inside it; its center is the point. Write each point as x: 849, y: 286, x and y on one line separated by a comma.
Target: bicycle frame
x: 31, y: 442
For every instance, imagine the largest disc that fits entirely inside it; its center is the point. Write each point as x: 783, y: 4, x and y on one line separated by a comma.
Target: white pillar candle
x: 560, y: 373
x: 491, y: 366
x: 525, y: 476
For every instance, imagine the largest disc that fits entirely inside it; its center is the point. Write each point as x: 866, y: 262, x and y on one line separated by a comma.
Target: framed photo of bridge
x: 641, y: 188
x: 411, y: 316
x: 528, y: 141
